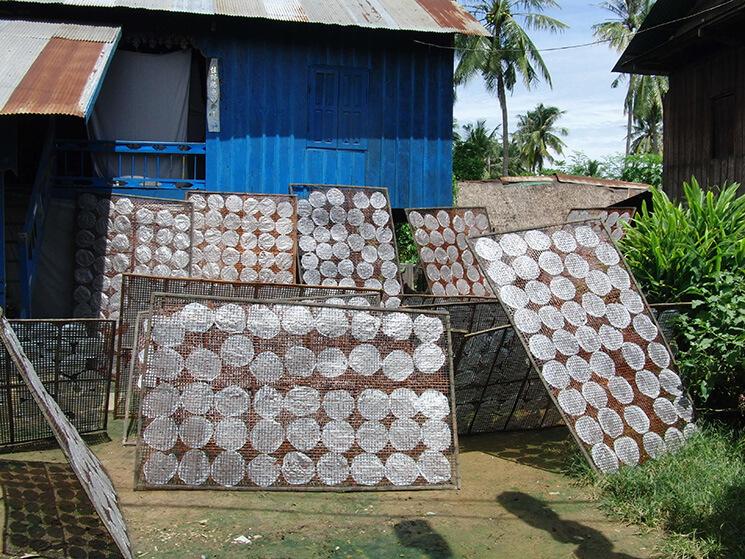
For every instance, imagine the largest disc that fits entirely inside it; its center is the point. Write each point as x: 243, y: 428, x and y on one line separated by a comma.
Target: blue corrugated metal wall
x: 263, y: 146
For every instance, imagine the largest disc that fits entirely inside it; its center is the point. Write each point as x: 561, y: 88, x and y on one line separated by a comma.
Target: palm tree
x: 538, y: 137
x: 508, y: 54
x: 646, y: 136
x: 483, y: 141
x: 618, y: 32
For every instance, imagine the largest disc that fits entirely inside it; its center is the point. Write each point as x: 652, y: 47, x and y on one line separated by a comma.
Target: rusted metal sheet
x: 52, y: 68
x: 446, y: 14
x: 430, y: 16
x: 47, y: 90
x: 594, y: 181
x: 511, y: 180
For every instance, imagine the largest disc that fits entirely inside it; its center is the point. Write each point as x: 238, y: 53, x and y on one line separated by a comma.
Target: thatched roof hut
x: 523, y: 202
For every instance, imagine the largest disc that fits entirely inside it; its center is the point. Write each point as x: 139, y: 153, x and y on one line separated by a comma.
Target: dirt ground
x: 514, y: 502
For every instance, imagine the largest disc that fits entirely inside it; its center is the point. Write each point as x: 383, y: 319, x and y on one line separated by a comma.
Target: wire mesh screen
x: 346, y: 237
x: 137, y: 291
x: 590, y: 333
x: 117, y: 234
x: 87, y: 468
x: 137, y: 365
x: 134, y: 377
x: 47, y: 514
x: 668, y: 316
x: 246, y: 237
x: 496, y: 387
x: 268, y: 395
x: 449, y: 265
x: 615, y: 219
x: 73, y: 359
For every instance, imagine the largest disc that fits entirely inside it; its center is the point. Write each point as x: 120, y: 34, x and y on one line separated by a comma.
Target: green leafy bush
x: 680, y: 248
x: 407, y: 249
x: 712, y: 343
x: 696, y: 252
x: 646, y: 168
x: 468, y: 162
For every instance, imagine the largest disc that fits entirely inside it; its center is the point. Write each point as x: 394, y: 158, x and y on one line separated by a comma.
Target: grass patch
x: 696, y: 496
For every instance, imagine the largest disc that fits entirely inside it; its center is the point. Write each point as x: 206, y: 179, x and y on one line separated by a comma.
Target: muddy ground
x: 514, y: 502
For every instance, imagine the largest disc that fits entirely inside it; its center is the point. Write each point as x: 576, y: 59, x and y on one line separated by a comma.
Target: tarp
x: 145, y: 98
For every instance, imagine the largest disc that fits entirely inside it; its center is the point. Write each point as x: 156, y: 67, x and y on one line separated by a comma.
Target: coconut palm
x: 475, y: 151
x: 646, y: 137
x: 618, y: 32
x: 508, y: 54
x: 538, y: 137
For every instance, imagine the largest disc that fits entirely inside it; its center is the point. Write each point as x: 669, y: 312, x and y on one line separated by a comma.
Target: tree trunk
x: 629, y: 126
x: 630, y: 112
x: 502, y: 95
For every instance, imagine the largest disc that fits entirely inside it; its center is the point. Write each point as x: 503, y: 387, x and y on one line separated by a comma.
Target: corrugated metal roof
x: 594, y: 181
x: 433, y: 16
x: 52, y: 68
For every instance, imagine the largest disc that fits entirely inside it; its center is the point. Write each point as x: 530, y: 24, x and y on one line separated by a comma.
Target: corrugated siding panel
x: 431, y: 16
x: 263, y: 144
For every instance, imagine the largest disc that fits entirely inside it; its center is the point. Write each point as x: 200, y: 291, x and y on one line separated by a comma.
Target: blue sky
x: 581, y: 86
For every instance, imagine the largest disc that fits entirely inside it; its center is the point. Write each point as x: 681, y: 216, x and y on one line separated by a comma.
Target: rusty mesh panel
x: 248, y: 395
x: 47, y: 514
x: 613, y: 218
x: 346, y: 237
x: 246, y: 237
x: 448, y: 263
x: 138, y: 289
x: 73, y: 359
x: 117, y: 234
x: 136, y: 370
x: 136, y: 367
x: 494, y: 380
x: 590, y: 333
x: 87, y: 468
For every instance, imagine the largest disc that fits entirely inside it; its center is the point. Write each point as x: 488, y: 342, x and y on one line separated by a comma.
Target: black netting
x: 73, y: 359
x: 494, y: 381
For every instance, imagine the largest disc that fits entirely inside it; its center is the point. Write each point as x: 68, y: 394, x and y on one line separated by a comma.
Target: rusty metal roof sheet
x: 539, y: 178
x: 593, y: 181
x: 432, y: 16
x: 52, y: 68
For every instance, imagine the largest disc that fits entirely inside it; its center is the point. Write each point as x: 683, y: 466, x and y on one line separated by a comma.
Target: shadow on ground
x: 590, y: 543
x: 547, y: 449
x: 418, y: 534
x: 47, y: 514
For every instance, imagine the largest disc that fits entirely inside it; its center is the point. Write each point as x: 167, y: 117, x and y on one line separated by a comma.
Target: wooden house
x: 700, y: 46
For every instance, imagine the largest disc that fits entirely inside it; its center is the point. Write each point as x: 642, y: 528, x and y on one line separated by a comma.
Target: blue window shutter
x: 353, y: 108
x: 323, y: 118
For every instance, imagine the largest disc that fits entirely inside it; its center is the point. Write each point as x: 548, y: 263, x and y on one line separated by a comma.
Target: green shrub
x: 696, y: 252
x: 407, y: 248
x: 712, y: 343
x: 645, y: 168
x: 679, y: 249
x: 695, y: 495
